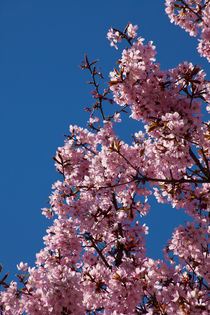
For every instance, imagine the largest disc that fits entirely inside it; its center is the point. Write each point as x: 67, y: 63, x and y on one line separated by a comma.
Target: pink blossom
x: 94, y: 257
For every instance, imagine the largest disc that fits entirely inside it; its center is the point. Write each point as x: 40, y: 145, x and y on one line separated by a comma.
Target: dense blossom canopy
x: 94, y: 260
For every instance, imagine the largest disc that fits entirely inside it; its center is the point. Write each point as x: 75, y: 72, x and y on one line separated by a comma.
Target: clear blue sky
x: 43, y: 91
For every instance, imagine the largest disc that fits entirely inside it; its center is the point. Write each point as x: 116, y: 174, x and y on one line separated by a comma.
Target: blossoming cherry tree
x: 94, y: 260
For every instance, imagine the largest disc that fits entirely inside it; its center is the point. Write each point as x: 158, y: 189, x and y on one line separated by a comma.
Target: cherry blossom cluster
x: 116, y: 36
x: 94, y: 260
x: 194, y: 17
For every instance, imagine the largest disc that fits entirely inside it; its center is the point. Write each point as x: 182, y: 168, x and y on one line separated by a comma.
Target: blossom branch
x: 89, y: 237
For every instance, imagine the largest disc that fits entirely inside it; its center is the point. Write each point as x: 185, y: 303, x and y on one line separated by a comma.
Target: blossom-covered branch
x: 94, y: 260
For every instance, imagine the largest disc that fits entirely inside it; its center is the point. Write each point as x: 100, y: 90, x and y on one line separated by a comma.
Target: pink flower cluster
x: 94, y: 259
x: 194, y: 17
x: 116, y: 36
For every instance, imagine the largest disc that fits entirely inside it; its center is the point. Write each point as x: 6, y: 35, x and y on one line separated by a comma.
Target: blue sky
x: 43, y: 91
